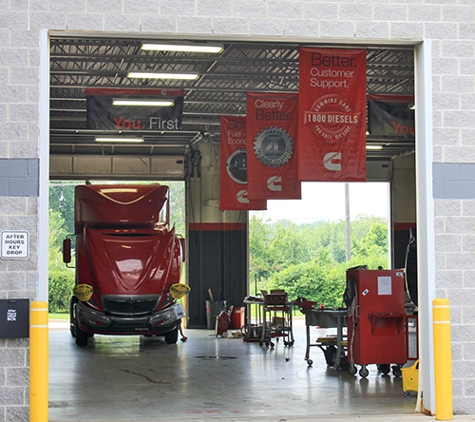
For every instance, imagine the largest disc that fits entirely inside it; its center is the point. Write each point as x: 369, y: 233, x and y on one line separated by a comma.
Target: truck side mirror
x: 67, y: 251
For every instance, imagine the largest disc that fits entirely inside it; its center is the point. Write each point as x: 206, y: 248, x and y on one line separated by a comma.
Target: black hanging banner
x: 102, y: 114
x: 391, y: 115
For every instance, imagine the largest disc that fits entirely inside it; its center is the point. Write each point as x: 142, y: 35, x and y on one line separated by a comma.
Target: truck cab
x: 127, y: 260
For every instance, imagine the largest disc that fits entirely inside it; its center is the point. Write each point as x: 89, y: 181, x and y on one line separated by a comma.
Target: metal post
x: 442, y: 359
x: 39, y: 362
x: 425, y: 220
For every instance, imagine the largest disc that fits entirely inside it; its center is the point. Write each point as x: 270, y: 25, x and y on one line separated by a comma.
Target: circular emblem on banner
x: 236, y: 166
x: 332, y: 118
x: 273, y: 146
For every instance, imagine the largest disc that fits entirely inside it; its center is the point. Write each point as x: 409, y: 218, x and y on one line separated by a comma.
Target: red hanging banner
x: 332, y: 115
x: 271, y: 135
x: 233, y: 167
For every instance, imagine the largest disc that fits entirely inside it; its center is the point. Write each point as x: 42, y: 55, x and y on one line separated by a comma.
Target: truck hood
x: 130, y: 262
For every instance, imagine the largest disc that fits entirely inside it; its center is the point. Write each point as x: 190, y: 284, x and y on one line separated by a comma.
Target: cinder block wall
x: 450, y: 25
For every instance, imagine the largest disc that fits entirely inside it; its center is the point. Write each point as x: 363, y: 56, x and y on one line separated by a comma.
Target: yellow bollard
x: 39, y: 362
x: 442, y: 359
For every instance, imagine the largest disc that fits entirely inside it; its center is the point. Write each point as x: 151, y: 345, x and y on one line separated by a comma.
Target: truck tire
x: 81, y: 337
x: 172, y: 336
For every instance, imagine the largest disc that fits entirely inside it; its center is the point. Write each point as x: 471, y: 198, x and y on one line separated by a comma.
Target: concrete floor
x: 127, y: 378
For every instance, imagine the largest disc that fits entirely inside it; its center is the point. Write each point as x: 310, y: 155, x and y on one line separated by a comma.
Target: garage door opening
x: 105, y: 62
x: 342, y: 225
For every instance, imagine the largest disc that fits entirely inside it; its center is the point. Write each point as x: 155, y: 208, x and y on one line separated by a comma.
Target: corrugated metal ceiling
x: 224, y: 79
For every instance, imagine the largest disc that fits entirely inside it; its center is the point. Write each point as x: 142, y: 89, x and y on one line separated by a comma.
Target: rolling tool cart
x: 252, y: 329
x: 376, y: 320
x: 222, y: 322
x: 277, y: 319
x: 333, y: 346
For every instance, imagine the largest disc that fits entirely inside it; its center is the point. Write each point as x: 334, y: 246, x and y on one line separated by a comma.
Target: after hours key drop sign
x: 15, y: 244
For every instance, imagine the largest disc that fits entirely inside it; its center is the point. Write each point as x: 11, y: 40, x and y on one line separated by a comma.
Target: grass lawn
x: 63, y: 316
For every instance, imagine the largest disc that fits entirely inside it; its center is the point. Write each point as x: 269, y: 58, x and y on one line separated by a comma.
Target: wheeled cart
x: 333, y: 347
x: 222, y: 322
x: 277, y: 319
x: 252, y: 329
x: 376, y: 320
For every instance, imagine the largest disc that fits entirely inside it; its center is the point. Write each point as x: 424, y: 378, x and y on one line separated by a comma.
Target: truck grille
x: 130, y: 305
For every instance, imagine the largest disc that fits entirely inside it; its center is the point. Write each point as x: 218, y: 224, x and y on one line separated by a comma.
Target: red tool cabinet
x: 376, y: 320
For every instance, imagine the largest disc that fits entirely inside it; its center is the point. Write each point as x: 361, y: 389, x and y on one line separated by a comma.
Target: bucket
x: 213, y: 309
x: 410, y: 378
x: 237, y: 318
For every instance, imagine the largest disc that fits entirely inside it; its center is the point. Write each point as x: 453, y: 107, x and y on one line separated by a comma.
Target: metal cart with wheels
x: 333, y: 347
x: 252, y: 329
x: 277, y: 319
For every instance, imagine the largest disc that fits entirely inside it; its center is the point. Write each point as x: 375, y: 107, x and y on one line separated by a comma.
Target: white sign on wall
x: 15, y: 244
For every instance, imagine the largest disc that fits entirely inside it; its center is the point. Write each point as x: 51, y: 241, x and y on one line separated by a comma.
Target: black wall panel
x: 217, y: 257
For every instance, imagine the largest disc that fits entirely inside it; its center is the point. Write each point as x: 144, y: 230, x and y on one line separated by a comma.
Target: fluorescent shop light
x: 118, y: 139
x: 374, y: 147
x: 185, y: 48
x: 142, y: 103
x: 145, y: 75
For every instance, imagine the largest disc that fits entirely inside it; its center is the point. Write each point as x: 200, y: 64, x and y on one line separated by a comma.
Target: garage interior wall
x: 403, y: 205
x: 217, y: 241
x: 448, y: 25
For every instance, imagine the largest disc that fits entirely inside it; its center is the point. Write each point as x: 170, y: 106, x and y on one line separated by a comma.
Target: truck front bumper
x: 161, y: 322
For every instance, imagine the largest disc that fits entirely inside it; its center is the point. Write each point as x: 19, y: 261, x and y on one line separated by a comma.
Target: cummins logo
x: 274, y: 183
x: 242, y: 197
x: 332, y: 161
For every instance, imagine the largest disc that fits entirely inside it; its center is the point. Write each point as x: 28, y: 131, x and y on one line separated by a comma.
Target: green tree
x: 61, y: 199
x: 371, y: 242
x: 177, y: 205
x: 320, y: 280
x: 259, y: 254
x: 309, y: 260
x: 57, y: 232
x: 331, y: 235
x: 60, y: 278
x: 287, y: 247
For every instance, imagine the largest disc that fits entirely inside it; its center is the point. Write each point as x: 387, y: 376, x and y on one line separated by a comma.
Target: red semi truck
x: 128, y: 263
